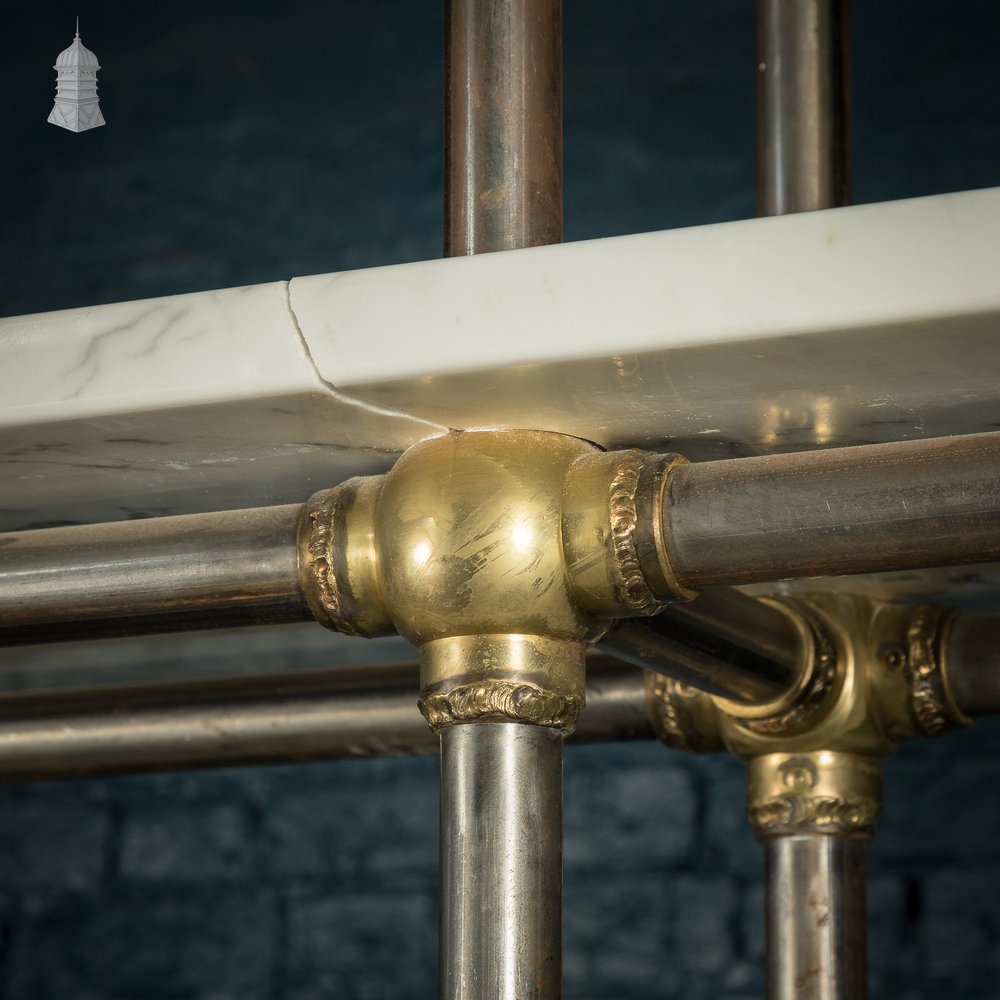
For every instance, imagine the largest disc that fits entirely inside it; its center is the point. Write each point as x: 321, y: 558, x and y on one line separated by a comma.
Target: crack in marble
x: 339, y: 394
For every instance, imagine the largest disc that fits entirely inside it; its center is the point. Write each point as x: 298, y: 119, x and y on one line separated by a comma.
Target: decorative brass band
x: 682, y: 717
x: 516, y: 678
x: 611, y: 524
x: 500, y: 700
x: 824, y: 792
x: 336, y: 558
x: 318, y: 552
x: 651, y: 544
x: 933, y: 708
x: 818, y: 682
x: 633, y: 591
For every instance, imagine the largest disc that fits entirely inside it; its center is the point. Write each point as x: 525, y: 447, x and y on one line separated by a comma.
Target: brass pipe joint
x: 877, y: 676
x: 501, y: 554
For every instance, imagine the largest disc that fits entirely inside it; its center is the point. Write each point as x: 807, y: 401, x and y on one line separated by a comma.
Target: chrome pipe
x: 868, y: 509
x: 271, y: 719
x: 971, y: 657
x: 723, y: 642
x: 803, y: 106
x: 501, y: 862
x: 161, y: 574
x: 503, y: 125
x: 815, y: 930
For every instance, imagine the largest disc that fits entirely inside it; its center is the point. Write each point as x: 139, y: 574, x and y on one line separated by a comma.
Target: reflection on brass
x: 800, y: 707
x: 819, y: 792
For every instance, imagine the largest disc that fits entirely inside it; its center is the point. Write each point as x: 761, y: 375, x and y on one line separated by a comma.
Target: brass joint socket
x: 826, y: 792
x: 689, y: 719
x: 877, y: 677
x: 501, y: 554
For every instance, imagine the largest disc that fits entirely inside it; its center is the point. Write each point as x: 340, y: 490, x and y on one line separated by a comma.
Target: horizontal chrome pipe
x: 163, y: 574
x: 723, y: 642
x: 867, y: 509
x: 871, y: 508
x: 272, y: 719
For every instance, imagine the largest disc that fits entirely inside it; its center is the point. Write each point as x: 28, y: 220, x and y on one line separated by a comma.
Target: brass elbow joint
x: 501, y: 554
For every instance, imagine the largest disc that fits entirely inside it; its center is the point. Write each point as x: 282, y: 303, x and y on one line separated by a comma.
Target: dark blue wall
x: 249, y: 142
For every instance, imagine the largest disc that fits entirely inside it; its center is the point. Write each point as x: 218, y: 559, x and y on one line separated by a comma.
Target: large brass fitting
x: 501, y: 554
x: 878, y: 677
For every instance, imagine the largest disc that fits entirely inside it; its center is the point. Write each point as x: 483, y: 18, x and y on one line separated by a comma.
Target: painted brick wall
x: 320, y: 880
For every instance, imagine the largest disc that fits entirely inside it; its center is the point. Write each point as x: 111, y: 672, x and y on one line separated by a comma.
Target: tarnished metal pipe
x: 814, y: 813
x: 869, y: 509
x: 803, y: 106
x: 815, y: 930
x: 501, y: 862
x: 503, y: 125
x: 272, y: 719
x: 971, y: 658
x: 501, y: 781
x: 161, y: 574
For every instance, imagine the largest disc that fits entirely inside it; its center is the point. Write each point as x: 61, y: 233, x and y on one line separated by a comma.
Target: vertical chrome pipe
x: 501, y: 862
x: 815, y: 918
x: 501, y: 782
x: 503, y: 125
x: 803, y: 106
x: 814, y: 882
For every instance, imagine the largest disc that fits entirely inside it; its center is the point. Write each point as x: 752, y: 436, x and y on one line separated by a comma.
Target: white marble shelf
x: 873, y: 323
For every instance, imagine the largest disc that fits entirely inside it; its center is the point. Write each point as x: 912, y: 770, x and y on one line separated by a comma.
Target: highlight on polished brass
x: 501, y: 554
